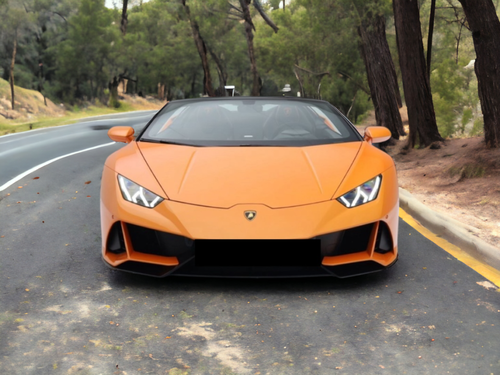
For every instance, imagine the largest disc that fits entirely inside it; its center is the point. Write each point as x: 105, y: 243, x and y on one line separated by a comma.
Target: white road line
x: 83, y: 120
x: 24, y: 174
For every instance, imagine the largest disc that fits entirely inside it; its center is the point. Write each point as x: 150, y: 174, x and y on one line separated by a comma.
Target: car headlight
x: 364, y: 193
x: 137, y: 194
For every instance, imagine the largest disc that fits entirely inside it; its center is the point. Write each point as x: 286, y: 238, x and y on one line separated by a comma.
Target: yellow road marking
x: 487, y: 271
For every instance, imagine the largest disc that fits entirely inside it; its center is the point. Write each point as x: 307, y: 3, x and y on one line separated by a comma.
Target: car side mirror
x: 377, y: 134
x: 123, y: 134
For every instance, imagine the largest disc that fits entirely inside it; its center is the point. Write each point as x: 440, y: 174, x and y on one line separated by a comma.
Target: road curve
x: 21, y: 151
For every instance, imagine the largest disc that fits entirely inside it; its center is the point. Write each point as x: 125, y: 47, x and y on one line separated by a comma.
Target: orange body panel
x: 294, y: 191
x: 225, y: 176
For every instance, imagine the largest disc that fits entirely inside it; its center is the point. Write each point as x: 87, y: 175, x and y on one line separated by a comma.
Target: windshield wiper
x: 165, y: 142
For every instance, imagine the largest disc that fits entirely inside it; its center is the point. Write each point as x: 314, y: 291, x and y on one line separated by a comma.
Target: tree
x: 243, y: 13
x: 202, y: 51
x: 124, y: 20
x: 421, y: 116
x: 17, y: 24
x: 82, y: 59
x: 381, y: 73
x: 485, y: 26
x: 429, y: 37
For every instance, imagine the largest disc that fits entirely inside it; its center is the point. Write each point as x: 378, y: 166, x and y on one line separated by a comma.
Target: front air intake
x: 384, y: 239
x: 116, y: 243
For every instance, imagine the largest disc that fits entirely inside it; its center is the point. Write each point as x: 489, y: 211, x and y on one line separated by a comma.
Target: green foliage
x: 477, y: 128
x: 319, y: 36
x: 466, y: 117
x: 82, y: 49
x: 454, y: 88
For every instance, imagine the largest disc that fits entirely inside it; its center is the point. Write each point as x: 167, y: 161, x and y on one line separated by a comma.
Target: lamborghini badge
x: 250, y: 215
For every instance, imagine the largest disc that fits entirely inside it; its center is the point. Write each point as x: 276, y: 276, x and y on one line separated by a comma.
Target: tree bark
x: 202, y: 51
x: 249, y: 27
x: 12, y: 64
x: 40, y: 82
x: 381, y: 74
x: 258, y: 6
x: 421, y: 116
x: 124, y: 23
x: 221, y: 71
x: 429, y: 38
x: 485, y: 26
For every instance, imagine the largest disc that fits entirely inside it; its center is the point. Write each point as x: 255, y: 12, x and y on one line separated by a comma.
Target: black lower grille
x: 154, y: 242
x: 354, y: 240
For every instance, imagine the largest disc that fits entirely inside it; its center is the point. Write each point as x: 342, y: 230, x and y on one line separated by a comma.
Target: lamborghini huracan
x: 249, y: 187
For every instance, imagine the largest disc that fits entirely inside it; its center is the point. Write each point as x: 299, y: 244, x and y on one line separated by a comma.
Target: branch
x: 360, y: 86
x: 235, y: 8
x: 60, y: 15
x: 258, y: 6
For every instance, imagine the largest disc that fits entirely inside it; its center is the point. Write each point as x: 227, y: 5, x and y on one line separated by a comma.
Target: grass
x: 14, y: 126
x: 31, y: 102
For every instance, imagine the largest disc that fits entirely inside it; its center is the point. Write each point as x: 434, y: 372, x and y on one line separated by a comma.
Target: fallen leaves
x: 36, y: 178
x: 19, y: 187
x: 87, y: 182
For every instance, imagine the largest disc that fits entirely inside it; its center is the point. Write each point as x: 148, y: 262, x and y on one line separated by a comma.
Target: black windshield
x: 249, y: 122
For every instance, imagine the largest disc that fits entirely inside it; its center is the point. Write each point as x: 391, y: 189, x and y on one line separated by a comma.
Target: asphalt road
x: 62, y: 311
x: 22, y: 151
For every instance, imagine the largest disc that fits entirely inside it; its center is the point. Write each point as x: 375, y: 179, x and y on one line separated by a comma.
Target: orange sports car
x: 249, y: 187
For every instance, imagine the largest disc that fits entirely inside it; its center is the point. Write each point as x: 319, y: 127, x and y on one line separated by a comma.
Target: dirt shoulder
x: 460, y: 179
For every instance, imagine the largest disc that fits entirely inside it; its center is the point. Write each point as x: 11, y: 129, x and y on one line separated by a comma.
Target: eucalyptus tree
x: 418, y: 97
x: 15, y: 28
x: 485, y: 26
x: 382, y: 79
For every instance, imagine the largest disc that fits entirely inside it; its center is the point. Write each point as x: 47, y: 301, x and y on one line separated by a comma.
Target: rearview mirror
x: 123, y: 134
x: 377, y: 134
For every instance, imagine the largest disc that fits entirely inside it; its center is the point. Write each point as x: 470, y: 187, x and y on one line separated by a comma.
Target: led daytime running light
x: 135, y: 193
x: 364, y: 193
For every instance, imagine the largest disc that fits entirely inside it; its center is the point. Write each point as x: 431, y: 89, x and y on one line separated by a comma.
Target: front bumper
x: 162, y: 241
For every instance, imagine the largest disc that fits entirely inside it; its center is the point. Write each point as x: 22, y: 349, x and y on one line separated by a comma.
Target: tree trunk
x: 12, y: 64
x: 123, y: 26
x: 485, y: 26
x: 221, y: 71
x: 381, y: 74
x: 40, y: 82
x: 113, y: 93
x: 421, y: 116
x: 202, y: 50
x: 249, y: 27
x: 429, y: 38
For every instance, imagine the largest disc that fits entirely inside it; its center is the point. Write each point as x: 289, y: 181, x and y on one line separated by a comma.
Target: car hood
x: 226, y: 176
